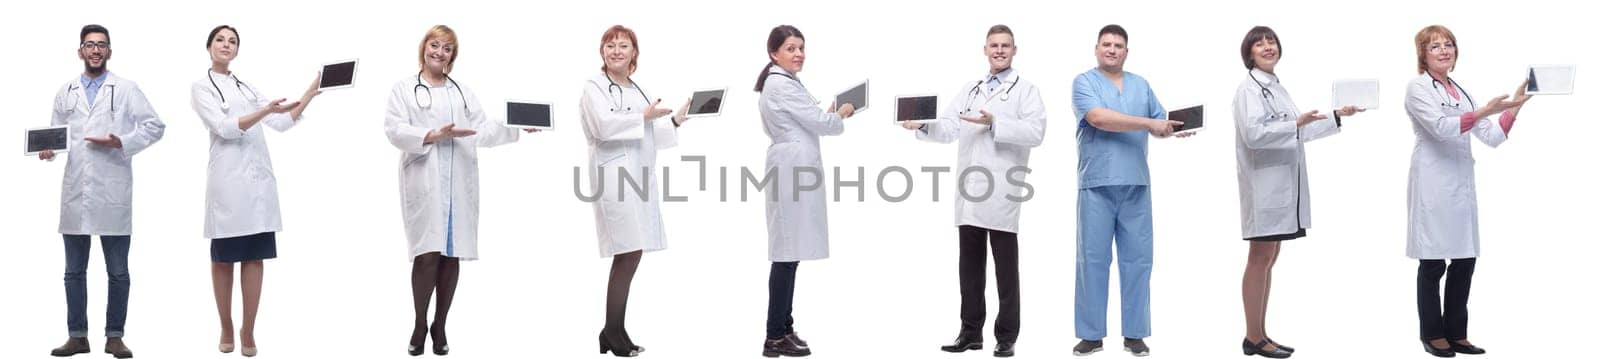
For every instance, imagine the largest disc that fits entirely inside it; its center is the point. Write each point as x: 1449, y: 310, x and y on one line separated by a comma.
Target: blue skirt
x: 252, y: 247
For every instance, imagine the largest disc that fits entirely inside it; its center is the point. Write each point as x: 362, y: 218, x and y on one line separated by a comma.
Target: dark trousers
x: 1450, y: 322
x: 780, y: 299
x: 115, y: 249
x: 974, y: 256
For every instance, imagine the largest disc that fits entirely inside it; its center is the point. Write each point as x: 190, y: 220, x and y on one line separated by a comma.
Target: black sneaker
x: 774, y: 348
x: 1135, y: 346
x: 1086, y: 347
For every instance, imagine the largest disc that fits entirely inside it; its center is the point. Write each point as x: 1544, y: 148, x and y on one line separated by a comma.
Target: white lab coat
x: 621, y: 140
x: 241, y: 190
x: 439, y: 181
x: 97, y: 184
x: 797, y: 226
x: 1274, y: 193
x: 1019, y: 123
x: 1441, y: 195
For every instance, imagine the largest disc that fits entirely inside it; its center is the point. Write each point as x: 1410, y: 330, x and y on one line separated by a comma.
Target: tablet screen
x: 49, y: 138
x: 706, y: 103
x: 856, y: 96
x: 528, y: 114
x: 916, y: 108
x: 338, y: 75
x: 1192, y: 118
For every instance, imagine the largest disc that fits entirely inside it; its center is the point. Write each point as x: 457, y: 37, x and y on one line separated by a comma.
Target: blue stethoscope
x: 615, y: 93
x: 1445, y: 98
x: 1004, y: 96
x: 236, y: 83
x: 420, y: 91
x: 1268, y: 97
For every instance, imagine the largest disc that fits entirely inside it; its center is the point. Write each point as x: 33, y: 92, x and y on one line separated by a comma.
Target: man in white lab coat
x: 998, y: 121
x: 110, y: 121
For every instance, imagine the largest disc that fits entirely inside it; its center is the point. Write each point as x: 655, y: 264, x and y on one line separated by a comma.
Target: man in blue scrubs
x: 1116, y: 111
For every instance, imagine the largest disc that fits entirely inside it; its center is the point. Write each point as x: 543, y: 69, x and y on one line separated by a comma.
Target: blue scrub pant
x: 1120, y: 215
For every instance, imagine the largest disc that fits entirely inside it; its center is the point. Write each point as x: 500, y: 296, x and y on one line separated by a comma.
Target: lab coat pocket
x: 1273, y: 187
x: 118, y: 191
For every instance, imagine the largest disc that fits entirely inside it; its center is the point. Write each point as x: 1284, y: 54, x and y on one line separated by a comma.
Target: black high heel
x: 417, y: 338
x: 1442, y: 353
x: 441, y: 346
x: 629, y: 340
x: 612, y: 346
x: 1261, y: 349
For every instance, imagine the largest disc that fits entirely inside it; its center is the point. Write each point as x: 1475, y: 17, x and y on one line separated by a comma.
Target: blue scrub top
x: 1113, y: 158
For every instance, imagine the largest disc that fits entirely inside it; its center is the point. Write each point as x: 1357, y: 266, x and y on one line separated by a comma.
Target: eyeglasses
x: 1441, y: 47
x: 90, y: 45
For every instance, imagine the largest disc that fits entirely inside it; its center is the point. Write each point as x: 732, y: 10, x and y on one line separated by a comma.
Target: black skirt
x: 252, y: 247
x: 1278, y: 237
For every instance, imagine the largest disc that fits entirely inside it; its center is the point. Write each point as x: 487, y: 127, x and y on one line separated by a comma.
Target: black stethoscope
x: 1268, y: 97
x: 73, y: 88
x: 421, y: 90
x: 236, y: 83
x: 1004, y: 96
x: 615, y: 92
x: 1445, y: 97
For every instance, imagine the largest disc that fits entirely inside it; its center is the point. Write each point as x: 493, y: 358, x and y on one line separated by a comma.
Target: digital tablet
x: 529, y: 114
x: 338, y: 75
x: 1193, y: 118
x: 53, y: 138
x: 706, y: 103
x: 916, y: 108
x: 856, y: 95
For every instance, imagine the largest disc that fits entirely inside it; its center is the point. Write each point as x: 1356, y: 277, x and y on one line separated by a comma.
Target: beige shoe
x: 248, y: 352
x: 225, y: 347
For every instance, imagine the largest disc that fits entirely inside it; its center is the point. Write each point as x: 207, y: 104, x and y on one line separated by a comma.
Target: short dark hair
x: 92, y: 28
x: 1000, y: 29
x: 219, y: 29
x: 1256, y: 34
x: 1113, y: 29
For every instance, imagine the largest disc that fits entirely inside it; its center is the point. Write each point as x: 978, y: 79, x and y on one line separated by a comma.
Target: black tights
x: 623, y: 267
x: 429, y: 271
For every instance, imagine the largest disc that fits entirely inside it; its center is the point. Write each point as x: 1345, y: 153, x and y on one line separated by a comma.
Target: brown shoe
x: 73, y: 346
x: 118, y: 350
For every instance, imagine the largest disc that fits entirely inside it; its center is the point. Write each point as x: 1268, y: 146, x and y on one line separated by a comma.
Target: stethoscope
x: 421, y: 90
x: 1004, y: 96
x: 1444, y: 97
x: 1268, y: 97
x: 236, y: 83
x: 73, y: 88
x: 615, y: 92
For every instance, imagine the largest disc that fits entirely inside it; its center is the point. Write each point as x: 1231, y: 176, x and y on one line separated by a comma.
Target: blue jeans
x: 116, y: 253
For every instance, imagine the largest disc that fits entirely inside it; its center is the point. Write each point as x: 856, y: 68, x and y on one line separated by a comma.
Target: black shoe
x: 1004, y: 350
x: 418, y: 336
x: 794, y: 337
x: 1086, y: 347
x: 117, y: 349
x: 1135, y: 346
x: 1280, y: 346
x: 772, y: 348
x: 73, y: 346
x: 1466, y: 349
x: 963, y: 344
x: 1442, y: 353
x: 441, y: 345
x: 616, y: 346
x: 1261, y: 349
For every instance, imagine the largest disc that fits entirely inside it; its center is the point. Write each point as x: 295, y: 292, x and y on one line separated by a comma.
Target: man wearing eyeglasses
x: 110, y: 121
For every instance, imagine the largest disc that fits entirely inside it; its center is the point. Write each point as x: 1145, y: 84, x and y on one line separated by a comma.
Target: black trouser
x: 780, y: 299
x: 973, y: 262
x: 1452, y: 324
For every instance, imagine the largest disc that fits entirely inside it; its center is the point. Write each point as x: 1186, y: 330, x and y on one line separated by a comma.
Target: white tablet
x: 53, y: 138
x: 1193, y: 118
x: 1361, y: 93
x: 1552, y: 79
x: 916, y: 108
x: 706, y: 103
x: 529, y: 114
x: 338, y: 75
x: 856, y: 95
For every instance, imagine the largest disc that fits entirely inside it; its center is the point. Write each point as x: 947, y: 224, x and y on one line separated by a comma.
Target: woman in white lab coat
x: 438, y: 126
x: 1441, y: 196
x: 797, y: 226
x: 625, y: 128
x: 1274, y: 195
x: 242, y: 214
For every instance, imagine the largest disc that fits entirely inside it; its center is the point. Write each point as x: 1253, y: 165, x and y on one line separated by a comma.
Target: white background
x: 340, y: 286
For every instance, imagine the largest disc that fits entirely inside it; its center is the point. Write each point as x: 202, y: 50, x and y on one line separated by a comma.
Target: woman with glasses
x: 1441, y: 194
x: 242, y: 214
